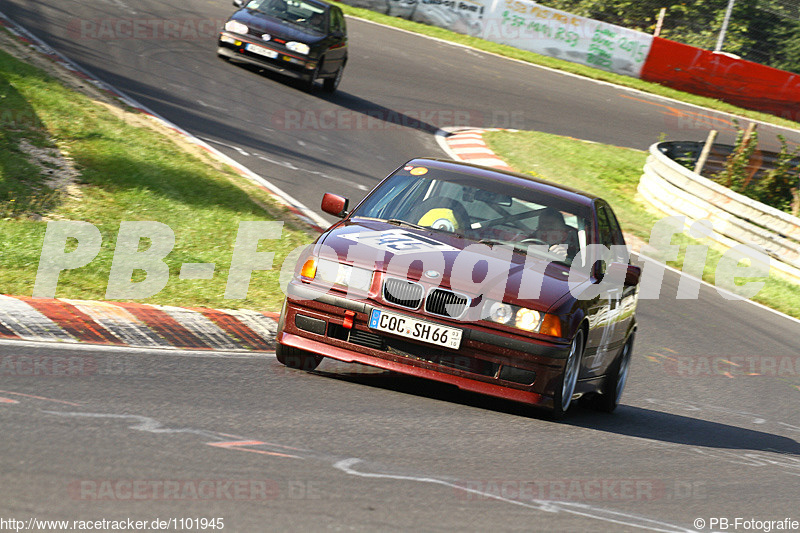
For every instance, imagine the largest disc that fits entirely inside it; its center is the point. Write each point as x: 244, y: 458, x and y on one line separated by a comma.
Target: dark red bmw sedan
x: 492, y: 281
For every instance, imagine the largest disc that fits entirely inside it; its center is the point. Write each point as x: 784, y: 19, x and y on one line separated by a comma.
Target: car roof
x: 320, y: 3
x: 546, y: 187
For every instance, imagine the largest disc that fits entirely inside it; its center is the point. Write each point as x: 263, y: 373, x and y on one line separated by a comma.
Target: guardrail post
x: 701, y: 162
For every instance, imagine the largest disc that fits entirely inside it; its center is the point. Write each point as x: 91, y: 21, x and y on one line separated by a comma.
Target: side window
x: 616, y: 231
x: 611, y: 235
x: 337, y: 20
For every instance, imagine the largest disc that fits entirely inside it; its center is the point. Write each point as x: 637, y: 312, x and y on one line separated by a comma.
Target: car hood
x: 439, y: 258
x: 263, y: 23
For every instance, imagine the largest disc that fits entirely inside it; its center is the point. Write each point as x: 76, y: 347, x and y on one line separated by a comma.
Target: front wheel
x: 569, y: 377
x: 330, y: 84
x: 296, y: 358
x: 608, y: 399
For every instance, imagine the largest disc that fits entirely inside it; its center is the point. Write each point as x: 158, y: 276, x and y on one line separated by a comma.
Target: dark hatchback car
x: 492, y: 281
x: 303, y: 39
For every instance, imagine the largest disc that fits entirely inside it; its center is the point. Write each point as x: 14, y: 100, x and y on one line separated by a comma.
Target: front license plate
x: 409, y: 327
x: 260, y: 50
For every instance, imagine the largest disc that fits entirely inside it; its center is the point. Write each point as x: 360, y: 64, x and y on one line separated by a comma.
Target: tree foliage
x: 778, y: 187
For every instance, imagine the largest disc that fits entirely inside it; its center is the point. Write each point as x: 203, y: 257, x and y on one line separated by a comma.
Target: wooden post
x: 746, y: 139
x: 701, y: 162
x: 660, y: 23
x: 748, y: 133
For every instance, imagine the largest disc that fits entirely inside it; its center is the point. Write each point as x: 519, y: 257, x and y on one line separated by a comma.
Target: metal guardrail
x: 677, y: 190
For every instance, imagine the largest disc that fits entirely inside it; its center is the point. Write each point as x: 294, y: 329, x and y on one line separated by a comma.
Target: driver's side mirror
x: 238, y: 3
x: 633, y: 273
x: 335, y: 205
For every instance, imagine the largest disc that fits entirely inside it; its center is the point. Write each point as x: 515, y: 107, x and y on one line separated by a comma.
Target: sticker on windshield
x: 399, y: 241
x: 418, y: 171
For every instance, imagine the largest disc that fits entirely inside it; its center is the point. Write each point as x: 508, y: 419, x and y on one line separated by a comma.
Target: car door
x: 336, y: 54
x: 605, y: 311
x: 628, y: 295
x: 614, y: 322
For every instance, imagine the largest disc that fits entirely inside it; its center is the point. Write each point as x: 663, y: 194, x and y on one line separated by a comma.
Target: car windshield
x: 307, y: 15
x: 487, y: 211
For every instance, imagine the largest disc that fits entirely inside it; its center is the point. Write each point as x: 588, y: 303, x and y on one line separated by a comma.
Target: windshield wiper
x: 494, y: 242
x: 518, y: 246
x: 399, y: 222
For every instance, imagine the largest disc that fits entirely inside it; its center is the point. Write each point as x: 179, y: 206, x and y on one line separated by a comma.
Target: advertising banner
x: 529, y: 26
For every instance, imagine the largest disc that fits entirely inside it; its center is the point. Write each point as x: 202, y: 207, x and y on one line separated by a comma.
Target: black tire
x: 614, y: 385
x: 569, y: 377
x: 330, y: 84
x: 296, y: 358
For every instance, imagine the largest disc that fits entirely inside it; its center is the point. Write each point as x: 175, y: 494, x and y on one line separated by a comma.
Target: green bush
x: 736, y: 175
x: 776, y: 187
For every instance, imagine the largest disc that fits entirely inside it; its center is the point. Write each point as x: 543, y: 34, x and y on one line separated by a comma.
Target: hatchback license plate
x: 412, y: 328
x: 260, y: 50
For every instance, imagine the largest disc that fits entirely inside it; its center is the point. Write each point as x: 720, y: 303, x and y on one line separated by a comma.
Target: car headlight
x: 235, y: 26
x: 523, y: 318
x: 527, y: 319
x: 300, y: 48
x: 500, y: 313
x: 338, y: 274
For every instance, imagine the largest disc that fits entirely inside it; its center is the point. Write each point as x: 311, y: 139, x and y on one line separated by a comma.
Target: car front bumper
x: 514, y: 368
x: 235, y: 47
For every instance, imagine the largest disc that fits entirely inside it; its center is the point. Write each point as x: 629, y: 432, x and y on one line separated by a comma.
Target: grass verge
x: 560, y: 64
x: 124, y: 171
x: 613, y: 173
x: 131, y: 172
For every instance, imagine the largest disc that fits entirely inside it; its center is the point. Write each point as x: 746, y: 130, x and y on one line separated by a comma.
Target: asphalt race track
x: 393, y: 78
x: 709, y: 428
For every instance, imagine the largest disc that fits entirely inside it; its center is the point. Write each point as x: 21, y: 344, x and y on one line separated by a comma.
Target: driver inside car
x: 561, y: 239
x: 316, y: 21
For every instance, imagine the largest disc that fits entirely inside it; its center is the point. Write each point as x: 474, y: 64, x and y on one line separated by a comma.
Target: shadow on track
x: 630, y: 421
x: 375, y: 116
x: 671, y: 428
